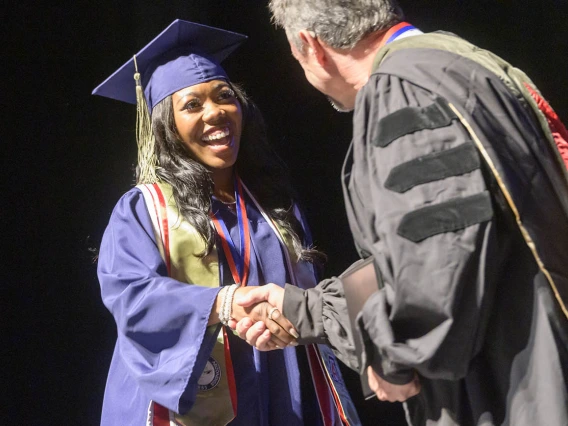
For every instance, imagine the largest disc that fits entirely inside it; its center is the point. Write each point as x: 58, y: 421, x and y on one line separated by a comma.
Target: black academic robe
x: 468, y: 302
x: 465, y: 304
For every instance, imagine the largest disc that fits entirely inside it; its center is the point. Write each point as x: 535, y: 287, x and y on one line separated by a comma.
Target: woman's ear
x: 313, y: 46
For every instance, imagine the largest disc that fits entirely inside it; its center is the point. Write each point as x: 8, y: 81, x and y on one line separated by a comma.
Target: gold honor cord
x: 147, y: 161
x: 513, y: 207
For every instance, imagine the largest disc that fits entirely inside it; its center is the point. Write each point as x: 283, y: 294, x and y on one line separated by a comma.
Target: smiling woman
x: 208, y: 118
x: 212, y: 216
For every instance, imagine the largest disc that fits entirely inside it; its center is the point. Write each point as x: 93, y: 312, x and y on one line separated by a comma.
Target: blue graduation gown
x: 160, y: 351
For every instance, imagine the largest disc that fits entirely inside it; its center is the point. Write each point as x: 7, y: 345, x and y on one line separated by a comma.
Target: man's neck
x: 357, y: 62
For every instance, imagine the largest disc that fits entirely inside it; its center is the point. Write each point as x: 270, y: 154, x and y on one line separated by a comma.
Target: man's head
x: 320, y: 31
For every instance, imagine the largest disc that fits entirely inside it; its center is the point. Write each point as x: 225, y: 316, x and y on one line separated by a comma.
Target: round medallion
x: 210, y: 377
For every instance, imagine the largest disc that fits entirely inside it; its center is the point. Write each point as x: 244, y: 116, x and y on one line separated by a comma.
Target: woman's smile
x: 219, y: 139
x: 215, y: 135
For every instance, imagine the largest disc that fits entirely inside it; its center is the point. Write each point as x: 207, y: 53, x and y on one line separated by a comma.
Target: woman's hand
x: 266, y: 327
x: 271, y: 293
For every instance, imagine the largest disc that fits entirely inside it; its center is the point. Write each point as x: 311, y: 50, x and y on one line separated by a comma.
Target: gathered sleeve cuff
x: 320, y: 316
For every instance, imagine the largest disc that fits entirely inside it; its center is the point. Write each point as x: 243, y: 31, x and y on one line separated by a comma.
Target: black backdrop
x: 68, y: 156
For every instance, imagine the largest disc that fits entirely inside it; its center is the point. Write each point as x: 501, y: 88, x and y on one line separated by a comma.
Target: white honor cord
x: 277, y: 232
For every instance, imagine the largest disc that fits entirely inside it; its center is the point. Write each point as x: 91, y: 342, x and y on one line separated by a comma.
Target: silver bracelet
x: 227, y: 306
x: 223, y: 299
x: 225, y: 317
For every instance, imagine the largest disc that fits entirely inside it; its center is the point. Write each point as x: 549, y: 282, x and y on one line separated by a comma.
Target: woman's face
x: 208, y: 119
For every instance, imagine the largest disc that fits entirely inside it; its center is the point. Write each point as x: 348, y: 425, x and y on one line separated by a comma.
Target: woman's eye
x: 193, y: 104
x: 227, y: 94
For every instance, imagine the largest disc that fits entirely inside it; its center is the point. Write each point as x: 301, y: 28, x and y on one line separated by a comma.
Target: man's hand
x: 268, y: 329
x: 256, y: 334
x: 390, y: 392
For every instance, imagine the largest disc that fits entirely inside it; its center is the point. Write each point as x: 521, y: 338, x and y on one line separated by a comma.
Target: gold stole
x: 179, y: 243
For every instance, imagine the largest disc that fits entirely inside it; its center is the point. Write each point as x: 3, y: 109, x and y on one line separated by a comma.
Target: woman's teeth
x: 219, y: 134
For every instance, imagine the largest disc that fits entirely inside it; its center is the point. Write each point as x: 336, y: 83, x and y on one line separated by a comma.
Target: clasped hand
x: 257, y: 318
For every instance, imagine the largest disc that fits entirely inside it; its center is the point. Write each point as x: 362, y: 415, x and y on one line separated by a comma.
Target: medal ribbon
x: 239, y: 262
x: 396, y: 31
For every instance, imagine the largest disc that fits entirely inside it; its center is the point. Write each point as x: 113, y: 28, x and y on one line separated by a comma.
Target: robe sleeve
x: 163, y: 337
x: 319, y: 313
x: 320, y: 316
x: 426, y: 216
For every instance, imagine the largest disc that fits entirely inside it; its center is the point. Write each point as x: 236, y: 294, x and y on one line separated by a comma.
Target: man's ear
x: 313, y: 46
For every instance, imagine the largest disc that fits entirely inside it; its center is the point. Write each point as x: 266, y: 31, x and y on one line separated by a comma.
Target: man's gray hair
x: 338, y: 23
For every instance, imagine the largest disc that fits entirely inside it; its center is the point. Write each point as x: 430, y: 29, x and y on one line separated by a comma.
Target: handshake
x: 257, y: 317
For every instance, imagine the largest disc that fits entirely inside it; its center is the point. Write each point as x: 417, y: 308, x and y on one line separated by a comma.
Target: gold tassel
x: 147, y: 161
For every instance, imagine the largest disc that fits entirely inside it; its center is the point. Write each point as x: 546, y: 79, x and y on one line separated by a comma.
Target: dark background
x: 68, y: 156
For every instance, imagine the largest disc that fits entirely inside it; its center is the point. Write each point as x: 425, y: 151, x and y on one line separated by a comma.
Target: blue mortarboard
x: 182, y: 55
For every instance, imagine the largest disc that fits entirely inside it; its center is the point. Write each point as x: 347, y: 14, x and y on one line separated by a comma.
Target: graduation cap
x: 182, y: 55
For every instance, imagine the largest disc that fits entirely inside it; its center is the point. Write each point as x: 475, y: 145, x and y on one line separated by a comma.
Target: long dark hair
x: 257, y: 164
